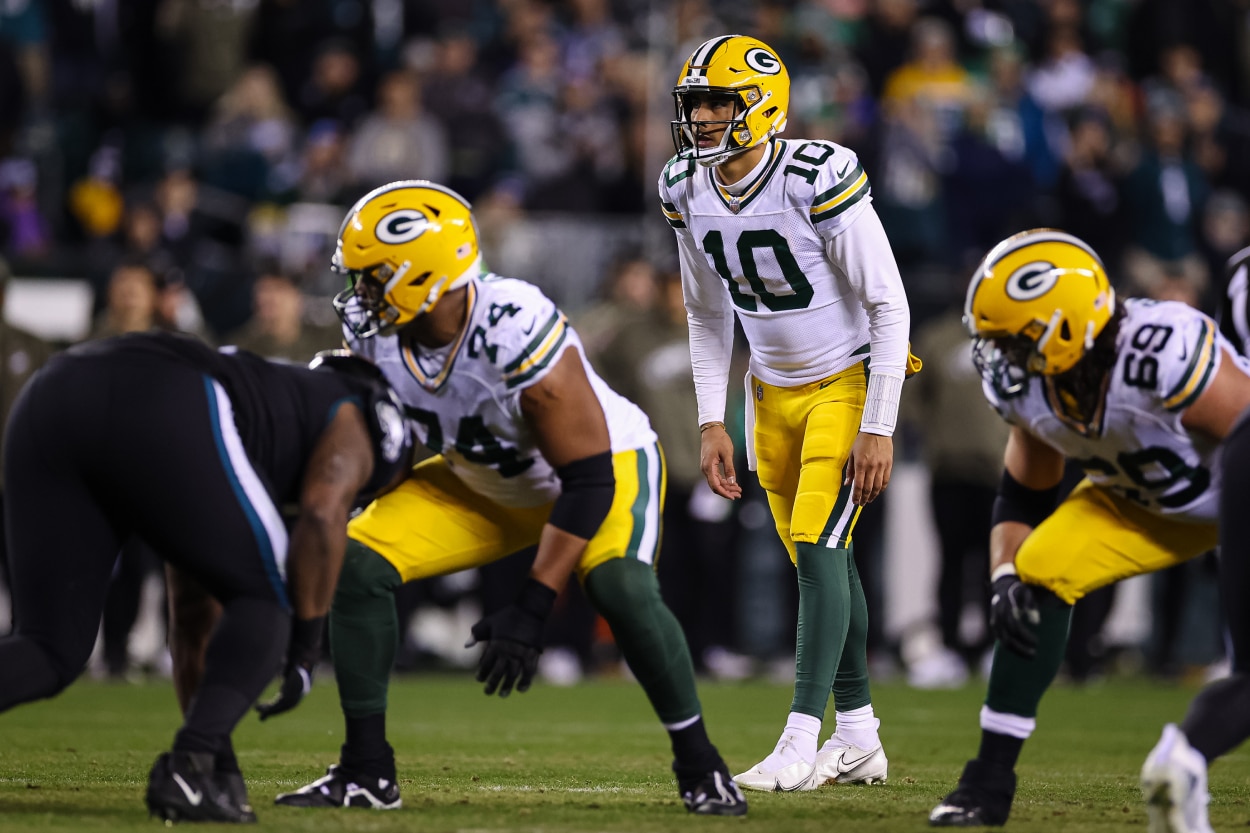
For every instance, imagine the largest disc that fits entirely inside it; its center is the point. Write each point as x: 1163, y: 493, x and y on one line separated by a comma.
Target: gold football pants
x: 1096, y: 537
x: 802, y: 440
x: 433, y: 524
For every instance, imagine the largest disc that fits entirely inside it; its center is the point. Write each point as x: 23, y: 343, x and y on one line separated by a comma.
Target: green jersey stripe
x: 842, y: 206
x: 541, y: 365
x: 534, y: 344
x: 850, y: 179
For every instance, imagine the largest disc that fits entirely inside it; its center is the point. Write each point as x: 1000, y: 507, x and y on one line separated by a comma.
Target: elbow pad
x: 1017, y: 502
x: 587, y: 487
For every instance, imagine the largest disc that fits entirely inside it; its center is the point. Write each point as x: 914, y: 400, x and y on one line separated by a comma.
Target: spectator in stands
x: 932, y: 76
x: 131, y: 306
x: 278, y: 329
x: 1064, y: 76
x: 334, y: 88
x: 1088, y: 192
x: 399, y: 140
x: 1165, y: 195
x: 323, y: 174
x: 250, y: 135
x: 458, y: 93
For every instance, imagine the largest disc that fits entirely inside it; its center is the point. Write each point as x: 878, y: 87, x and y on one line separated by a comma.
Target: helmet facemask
x: 737, y: 137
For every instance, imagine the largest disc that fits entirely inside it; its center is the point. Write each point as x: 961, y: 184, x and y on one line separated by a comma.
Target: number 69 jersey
x: 465, y: 399
x: 1166, y: 355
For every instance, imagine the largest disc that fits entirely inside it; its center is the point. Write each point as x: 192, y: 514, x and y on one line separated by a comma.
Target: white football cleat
x: 842, y: 762
x: 793, y: 777
x: 1174, y: 785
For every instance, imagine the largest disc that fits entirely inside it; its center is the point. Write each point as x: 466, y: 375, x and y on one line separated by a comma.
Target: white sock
x: 798, y: 742
x: 858, y: 726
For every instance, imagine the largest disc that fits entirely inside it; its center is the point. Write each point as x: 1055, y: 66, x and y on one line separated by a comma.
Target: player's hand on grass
x: 513, y: 638
x: 302, y: 656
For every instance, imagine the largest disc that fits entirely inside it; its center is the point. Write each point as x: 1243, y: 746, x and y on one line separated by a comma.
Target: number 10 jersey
x: 764, y: 254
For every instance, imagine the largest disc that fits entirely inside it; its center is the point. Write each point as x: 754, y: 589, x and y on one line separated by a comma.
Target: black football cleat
x: 712, y: 794
x: 182, y: 787
x: 982, y: 798
x: 339, y: 788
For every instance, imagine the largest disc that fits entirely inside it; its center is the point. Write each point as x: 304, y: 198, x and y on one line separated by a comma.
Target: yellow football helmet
x: 1038, y: 300
x: 402, y: 247
x: 744, y: 69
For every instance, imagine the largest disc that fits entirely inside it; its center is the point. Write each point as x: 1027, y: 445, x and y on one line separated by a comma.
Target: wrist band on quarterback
x: 881, y: 404
x: 712, y: 424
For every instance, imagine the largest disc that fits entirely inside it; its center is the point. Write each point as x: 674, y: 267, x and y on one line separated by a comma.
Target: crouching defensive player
x: 193, y: 450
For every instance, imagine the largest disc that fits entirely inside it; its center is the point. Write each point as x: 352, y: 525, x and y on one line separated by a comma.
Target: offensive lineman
x: 1148, y: 397
x: 532, y: 447
x: 783, y: 234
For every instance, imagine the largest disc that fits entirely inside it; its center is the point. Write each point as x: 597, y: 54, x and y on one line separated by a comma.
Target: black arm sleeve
x: 1017, y: 502
x: 587, y: 488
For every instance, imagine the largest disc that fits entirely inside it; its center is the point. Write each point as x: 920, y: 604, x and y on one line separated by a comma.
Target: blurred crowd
x: 191, y: 160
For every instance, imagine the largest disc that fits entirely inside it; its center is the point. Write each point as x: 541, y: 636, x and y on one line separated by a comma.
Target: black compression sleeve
x: 587, y: 488
x: 1017, y: 502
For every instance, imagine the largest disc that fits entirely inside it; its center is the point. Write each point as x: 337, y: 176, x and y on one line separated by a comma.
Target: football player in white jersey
x: 1147, y: 397
x: 782, y: 234
x: 530, y: 447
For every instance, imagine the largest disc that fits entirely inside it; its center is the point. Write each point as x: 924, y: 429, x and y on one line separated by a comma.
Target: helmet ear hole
x: 1065, y: 332
x: 768, y: 114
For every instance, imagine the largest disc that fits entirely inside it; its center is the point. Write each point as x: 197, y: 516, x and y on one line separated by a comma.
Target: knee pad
x: 365, y: 574
x: 621, y: 588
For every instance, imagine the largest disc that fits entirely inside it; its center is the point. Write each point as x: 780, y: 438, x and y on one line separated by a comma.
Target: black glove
x: 1014, y: 615
x: 513, y: 638
x: 301, y: 659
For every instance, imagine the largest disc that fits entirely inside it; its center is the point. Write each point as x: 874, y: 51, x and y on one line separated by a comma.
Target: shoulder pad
x: 1170, y: 349
x: 521, y: 331
x: 838, y: 182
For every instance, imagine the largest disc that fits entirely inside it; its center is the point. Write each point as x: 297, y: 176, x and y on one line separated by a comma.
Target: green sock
x: 1017, y: 684
x: 364, y: 630
x: 824, y: 618
x: 850, y: 684
x: 627, y: 595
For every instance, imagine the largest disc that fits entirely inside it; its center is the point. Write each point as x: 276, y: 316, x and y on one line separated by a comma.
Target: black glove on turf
x: 513, y: 638
x: 301, y: 659
x: 1014, y: 615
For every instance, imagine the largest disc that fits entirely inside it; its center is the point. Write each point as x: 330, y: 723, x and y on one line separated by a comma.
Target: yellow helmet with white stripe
x: 1038, y: 299
x: 744, y: 69
x: 403, y: 246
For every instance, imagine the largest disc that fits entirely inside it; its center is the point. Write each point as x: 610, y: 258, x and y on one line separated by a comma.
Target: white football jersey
x: 766, y: 252
x: 465, y: 399
x: 1167, y: 354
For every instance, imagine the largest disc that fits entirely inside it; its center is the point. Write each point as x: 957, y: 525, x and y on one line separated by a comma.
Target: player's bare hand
x: 872, y: 460
x: 716, y: 458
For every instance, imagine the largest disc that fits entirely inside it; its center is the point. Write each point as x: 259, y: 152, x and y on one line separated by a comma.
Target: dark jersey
x: 280, y: 410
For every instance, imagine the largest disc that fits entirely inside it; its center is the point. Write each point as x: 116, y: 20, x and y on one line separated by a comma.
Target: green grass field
x: 592, y: 758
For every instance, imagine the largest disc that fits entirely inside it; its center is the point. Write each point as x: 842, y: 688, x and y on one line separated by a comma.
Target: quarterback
x: 530, y: 447
x: 782, y: 234
x: 1147, y: 397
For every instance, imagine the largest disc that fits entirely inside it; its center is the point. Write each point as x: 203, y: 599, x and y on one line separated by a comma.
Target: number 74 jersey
x: 763, y: 254
x: 1167, y: 353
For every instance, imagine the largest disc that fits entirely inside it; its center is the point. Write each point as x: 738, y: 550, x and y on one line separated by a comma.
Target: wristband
x: 536, y: 598
x: 305, y: 646
x: 1008, y: 569
x: 708, y: 425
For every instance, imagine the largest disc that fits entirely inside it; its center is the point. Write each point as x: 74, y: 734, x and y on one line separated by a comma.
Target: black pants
x: 961, y: 511
x: 99, y: 451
